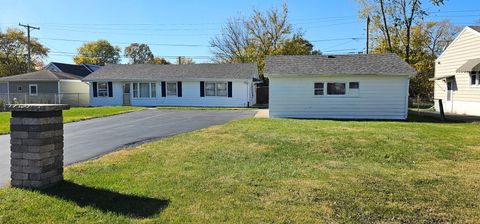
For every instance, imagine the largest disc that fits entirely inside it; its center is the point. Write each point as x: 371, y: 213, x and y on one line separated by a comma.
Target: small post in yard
x: 36, y: 144
x: 442, y: 113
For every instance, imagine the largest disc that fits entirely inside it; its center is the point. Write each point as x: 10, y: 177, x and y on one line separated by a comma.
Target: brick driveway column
x: 36, y: 140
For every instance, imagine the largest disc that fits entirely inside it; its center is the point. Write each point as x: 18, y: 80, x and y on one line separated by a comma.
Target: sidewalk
x: 262, y: 113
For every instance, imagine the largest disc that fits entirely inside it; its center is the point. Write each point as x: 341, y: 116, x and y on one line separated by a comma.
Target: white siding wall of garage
x: 380, y: 97
x: 74, y: 92
x: 241, y: 95
x: 465, y: 98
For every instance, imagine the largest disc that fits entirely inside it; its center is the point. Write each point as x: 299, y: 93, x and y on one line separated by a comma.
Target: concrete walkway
x: 262, y: 113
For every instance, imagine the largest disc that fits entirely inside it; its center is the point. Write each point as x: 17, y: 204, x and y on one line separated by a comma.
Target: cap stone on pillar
x: 36, y: 107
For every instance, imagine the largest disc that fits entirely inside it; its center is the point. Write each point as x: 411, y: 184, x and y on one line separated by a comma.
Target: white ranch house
x: 210, y: 85
x: 457, y: 74
x: 363, y: 86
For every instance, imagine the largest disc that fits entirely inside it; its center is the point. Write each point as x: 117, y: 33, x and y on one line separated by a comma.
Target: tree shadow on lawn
x: 107, y: 200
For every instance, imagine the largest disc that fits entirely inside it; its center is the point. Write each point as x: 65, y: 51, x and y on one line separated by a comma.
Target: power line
x: 66, y: 53
x: 337, y: 39
x: 153, y: 44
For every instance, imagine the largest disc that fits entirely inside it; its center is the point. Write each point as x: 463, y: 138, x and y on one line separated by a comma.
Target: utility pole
x: 29, y: 59
x: 179, y: 60
x: 368, y: 34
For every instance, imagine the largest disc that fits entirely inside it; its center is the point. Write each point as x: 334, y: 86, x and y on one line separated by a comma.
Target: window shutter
x: 179, y: 88
x: 230, y: 89
x: 94, y: 85
x: 164, y: 89
x: 202, y: 89
x: 110, y: 89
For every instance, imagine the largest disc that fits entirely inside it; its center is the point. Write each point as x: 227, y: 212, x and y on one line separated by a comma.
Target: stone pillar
x: 36, y: 140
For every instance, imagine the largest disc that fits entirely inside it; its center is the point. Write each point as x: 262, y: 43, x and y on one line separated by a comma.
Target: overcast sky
x: 184, y: 28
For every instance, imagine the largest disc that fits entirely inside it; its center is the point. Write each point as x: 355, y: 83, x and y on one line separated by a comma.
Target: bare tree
x: 270, y: 29
x: 253, y: 38
x: 231, y: 45
x: 379, y: 10
x: 441, y: 35
x: 408, y: 12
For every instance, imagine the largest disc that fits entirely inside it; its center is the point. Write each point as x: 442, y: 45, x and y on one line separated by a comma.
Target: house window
x: 102, y: 89
x: 353, y: 85
x: 222, y: 89
x: 171, y: 88
x: 210, y: 89
x: 336, y: 88
x: 216, y: 89
x: 153, y: 90
x: 353, y: 88
x: 19, y: 89
x: 474, y: 78
x: 33, y: 89
x: 144, y: 90
x: 135, y: 90
x: 318, y: 88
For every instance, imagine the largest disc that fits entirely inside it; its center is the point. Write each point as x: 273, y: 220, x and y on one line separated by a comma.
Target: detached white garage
x: 363, y: 86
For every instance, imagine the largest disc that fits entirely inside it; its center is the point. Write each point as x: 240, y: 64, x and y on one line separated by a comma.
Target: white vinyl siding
x: 74, y: 92
x: 464, y: 48
x: 382, y: 97
x: 3, y: 88
x: 116, y: 100
x: 465, y: 97
x: 241, y: 89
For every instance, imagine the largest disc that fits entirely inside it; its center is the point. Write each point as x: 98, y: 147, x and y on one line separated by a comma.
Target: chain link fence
x: 72, y: 99
x: 421, y: 104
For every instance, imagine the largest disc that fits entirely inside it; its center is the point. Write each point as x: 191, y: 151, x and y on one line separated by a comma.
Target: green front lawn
x: 74, y: 114
x: 273, y: 171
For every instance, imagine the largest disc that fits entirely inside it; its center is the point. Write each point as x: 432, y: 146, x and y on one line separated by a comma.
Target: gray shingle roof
x: 42, y: 75
x: 476, y: 28
x: 355, y: 64
x: 179, y: 72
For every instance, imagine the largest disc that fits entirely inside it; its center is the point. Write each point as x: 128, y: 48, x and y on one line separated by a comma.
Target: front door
x: 449, y: 103
x: 126, y: 94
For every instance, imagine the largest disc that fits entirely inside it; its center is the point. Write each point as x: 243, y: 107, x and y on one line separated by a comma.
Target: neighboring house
x: 57, y: 83
x: 213, y: 85
x: 79, y: 70
x: 457, y: 74
x: 363, y: 86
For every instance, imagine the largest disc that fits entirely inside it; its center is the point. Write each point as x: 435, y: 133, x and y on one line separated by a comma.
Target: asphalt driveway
x: 92, y: 138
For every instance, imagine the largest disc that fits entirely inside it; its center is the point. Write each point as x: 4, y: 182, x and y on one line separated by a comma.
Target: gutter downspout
x: 8, y: 92
x: 248, y: 93
x: 407, y: 93
x: 58, y: 91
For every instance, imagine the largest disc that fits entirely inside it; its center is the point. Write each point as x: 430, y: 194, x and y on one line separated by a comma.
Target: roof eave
x: 105, y: 79
x: 335, y: 74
